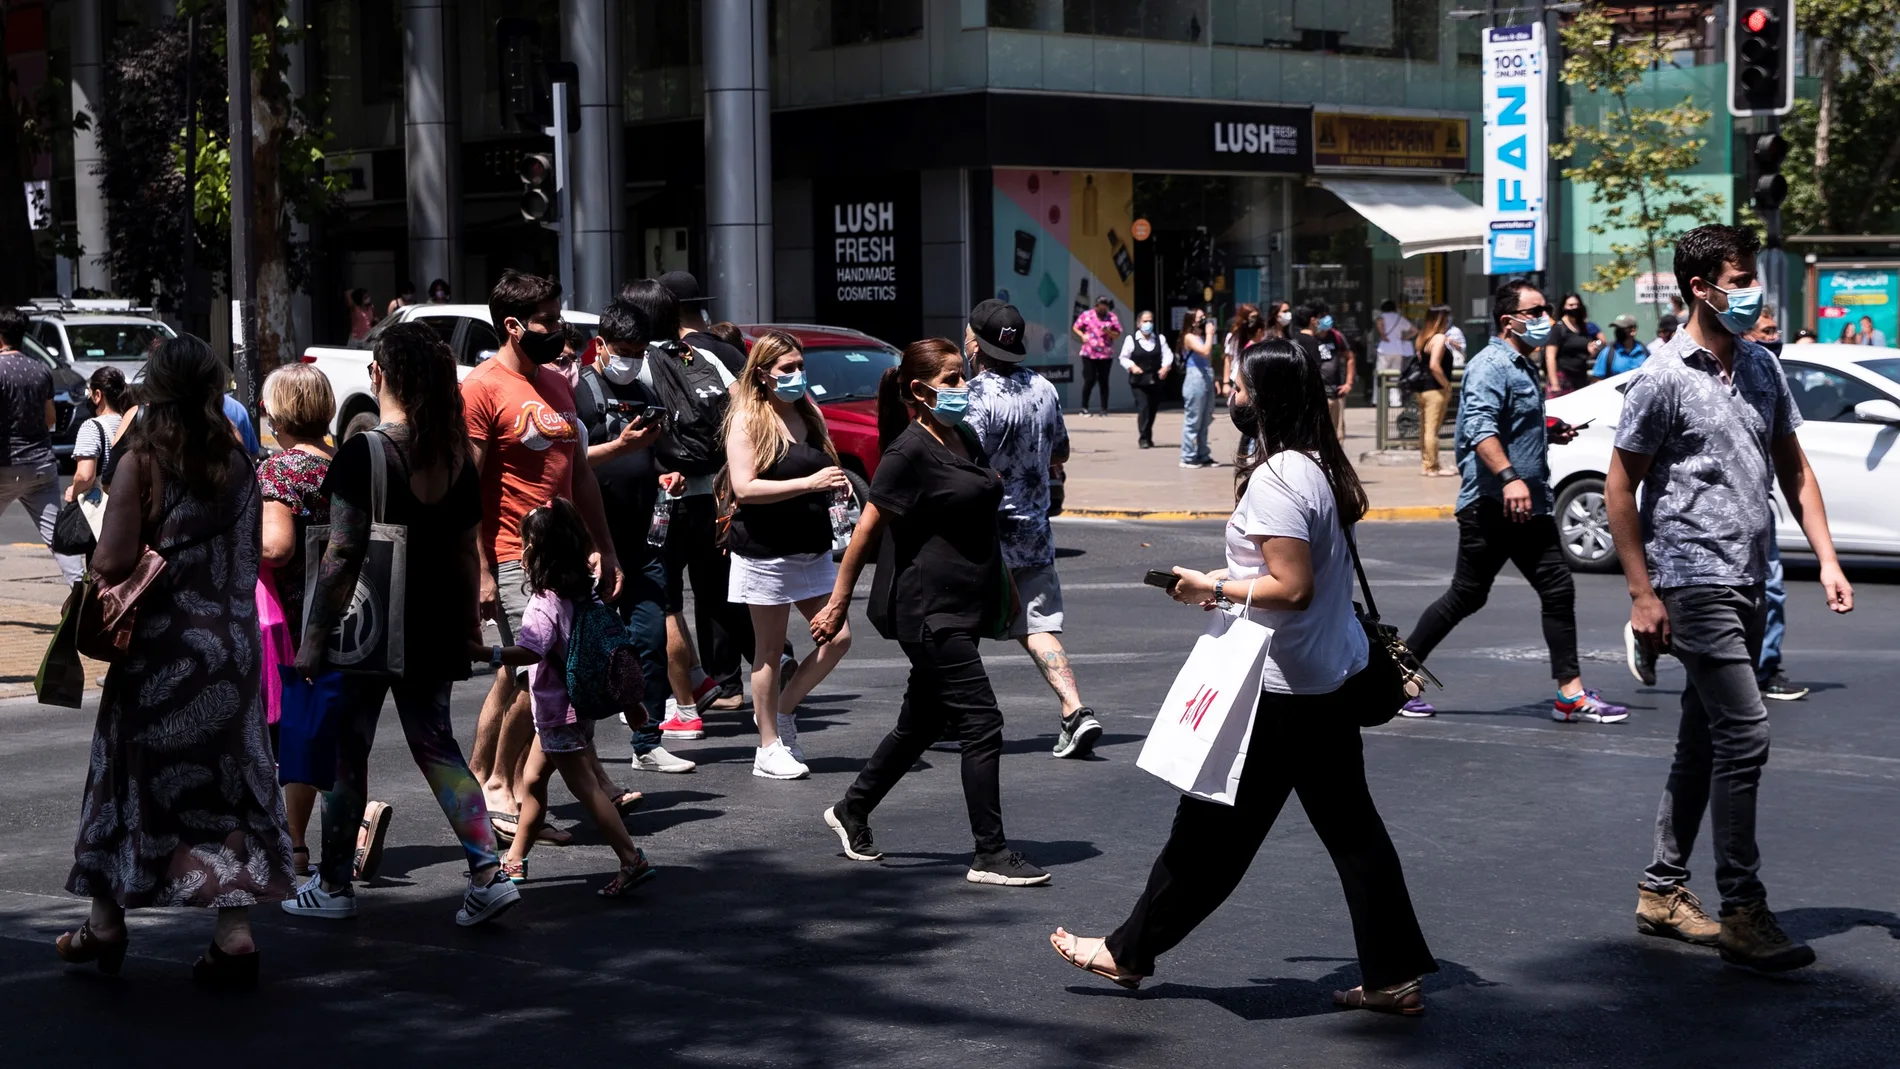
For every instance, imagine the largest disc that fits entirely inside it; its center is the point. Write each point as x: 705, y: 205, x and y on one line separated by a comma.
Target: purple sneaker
x: 1417, y: 709
x: 1587, y: 708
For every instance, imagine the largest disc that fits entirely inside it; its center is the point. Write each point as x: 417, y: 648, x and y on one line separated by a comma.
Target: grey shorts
x: 1041, y: 594
x: 566, y: 738
x: 511, y: 593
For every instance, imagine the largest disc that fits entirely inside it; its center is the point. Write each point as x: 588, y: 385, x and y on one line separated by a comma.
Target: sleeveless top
x: 799, y: 524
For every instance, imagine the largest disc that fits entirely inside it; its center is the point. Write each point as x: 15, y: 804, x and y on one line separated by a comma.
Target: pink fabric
x: 1095, y: 331
x: 277, y: 646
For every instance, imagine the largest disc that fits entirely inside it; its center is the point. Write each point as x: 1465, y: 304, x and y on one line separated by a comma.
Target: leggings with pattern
x: 424, y: 709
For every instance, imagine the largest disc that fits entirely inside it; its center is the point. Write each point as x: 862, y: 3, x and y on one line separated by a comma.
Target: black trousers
x: 947, y: 687
x: 1486, y: 540
x: 723, y: 630
x: 1304, y: 743
x: 1095, y: 373
x: 1147, y: 401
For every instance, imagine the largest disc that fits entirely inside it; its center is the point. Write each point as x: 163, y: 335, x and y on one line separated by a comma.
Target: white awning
x: 1422, y: 216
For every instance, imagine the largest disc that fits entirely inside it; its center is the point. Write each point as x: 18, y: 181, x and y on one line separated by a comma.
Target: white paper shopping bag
x: 1199, y: 739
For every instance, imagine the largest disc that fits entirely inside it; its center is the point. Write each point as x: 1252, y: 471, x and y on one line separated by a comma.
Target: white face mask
x: 621, y: 370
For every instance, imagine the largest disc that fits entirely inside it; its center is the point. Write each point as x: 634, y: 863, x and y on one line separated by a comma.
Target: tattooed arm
x: 336, y: 581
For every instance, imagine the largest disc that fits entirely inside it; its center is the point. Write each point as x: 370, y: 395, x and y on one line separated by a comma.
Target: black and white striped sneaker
x: 313, y: 901
x: 480, y: 904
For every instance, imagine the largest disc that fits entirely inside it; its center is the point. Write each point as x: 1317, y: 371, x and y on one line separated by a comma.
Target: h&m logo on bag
x: 1198, y: 705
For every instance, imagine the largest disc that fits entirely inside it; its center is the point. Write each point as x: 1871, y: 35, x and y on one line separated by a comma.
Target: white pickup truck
x: 466, y: 329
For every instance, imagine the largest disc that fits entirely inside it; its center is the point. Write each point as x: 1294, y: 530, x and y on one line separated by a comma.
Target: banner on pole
x: 1516, y: 149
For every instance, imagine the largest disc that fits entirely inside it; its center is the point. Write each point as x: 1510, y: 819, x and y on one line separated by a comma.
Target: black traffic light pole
x: 1761, y: 90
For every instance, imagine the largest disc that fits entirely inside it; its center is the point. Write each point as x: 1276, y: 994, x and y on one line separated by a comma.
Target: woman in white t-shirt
x: 1287, y: 551
x: 92, y: 445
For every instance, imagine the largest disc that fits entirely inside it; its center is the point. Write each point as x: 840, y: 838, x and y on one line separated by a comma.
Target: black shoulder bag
x: 1392, y: 675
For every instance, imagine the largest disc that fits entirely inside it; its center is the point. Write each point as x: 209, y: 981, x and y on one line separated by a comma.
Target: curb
x: 1402, y: 513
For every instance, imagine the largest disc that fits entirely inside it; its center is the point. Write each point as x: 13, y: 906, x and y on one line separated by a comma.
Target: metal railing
x: 1385, y: 433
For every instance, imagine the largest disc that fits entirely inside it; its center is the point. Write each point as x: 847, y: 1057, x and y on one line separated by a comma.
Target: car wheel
x: 1583, y: 527
x: 845, y: 525
x: 357, y: 424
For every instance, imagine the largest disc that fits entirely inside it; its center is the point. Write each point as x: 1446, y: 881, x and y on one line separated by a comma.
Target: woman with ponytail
x: 941, y: 585
x: 784, y: 473
x: 433, y: 490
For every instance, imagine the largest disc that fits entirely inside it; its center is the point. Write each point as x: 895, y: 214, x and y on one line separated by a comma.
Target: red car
x: 843, y: 367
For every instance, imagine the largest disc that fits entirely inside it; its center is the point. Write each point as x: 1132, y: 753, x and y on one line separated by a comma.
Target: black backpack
x: 692, y: 389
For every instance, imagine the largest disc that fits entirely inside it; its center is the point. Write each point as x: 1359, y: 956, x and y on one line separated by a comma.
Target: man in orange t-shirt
x: 525, y: 435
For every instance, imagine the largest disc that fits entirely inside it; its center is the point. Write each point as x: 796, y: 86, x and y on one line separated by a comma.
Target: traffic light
x: 1770, y: 188
x: 538, y: 204
x: 1761, y: 57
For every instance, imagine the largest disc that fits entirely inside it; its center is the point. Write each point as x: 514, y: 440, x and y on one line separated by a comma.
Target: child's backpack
x: 603, y: 668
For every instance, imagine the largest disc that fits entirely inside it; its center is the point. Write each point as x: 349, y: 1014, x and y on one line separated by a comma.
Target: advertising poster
x: 1063, y: 238
x: 869, y: 256
x: 1516, y: 149
x: 1845, y: 294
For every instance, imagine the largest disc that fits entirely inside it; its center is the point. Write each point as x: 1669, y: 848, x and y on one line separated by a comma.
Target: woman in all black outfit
x: 940, y: 586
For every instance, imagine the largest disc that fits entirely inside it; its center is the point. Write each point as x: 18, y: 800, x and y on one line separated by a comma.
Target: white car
x: 1849, y: 400
x: 466, y: 328
x: 87, y: 335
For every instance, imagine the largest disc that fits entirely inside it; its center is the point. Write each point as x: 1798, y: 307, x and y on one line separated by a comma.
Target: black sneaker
x: 855, y: 834
x: 1781, y: 689
x: 1079, y: 731
x: 1006, y: 868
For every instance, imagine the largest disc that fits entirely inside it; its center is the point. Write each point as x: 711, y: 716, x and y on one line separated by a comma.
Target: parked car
x: 1849, y: 400
x: 466, y: 328
x: 90, y: 334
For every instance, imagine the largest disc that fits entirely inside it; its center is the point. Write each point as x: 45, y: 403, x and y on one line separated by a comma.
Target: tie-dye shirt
x: 1018, y: 419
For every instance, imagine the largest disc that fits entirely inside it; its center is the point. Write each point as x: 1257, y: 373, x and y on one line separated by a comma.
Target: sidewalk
x: 31, y: 593
x: 1109, y: 477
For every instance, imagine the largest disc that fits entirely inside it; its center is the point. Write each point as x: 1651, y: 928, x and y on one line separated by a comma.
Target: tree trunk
x: 19, y: 267
x: 1824, y: 128
x: 270, y: 119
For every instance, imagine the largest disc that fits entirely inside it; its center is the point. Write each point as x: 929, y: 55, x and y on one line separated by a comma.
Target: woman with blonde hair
x: 784, y: 473
x: 1427, y: 378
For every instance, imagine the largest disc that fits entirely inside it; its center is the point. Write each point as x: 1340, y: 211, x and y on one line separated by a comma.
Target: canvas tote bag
x: 369, y: 638
x: 1198, y: 742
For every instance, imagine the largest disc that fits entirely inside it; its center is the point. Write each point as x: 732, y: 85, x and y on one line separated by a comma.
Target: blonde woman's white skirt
x: 780, y: 580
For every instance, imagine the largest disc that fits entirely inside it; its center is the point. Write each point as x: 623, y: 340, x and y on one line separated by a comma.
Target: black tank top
x: 799, y: 524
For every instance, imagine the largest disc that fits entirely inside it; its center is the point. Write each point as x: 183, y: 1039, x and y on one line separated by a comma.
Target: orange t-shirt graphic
x: 527, y: 430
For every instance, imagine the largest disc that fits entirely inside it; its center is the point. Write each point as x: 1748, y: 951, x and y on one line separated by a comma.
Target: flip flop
x: 1088, y: 964
x: 1403, y: 999
x: 553, y: 836
x: 628, y: 801
x: 503, y: 836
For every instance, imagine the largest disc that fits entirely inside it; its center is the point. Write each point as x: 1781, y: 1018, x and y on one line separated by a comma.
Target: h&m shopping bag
x: 1199, y: 739
x: 306, y: 732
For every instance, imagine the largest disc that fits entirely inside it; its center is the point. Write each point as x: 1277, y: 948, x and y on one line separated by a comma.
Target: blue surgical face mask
x: 1325, y: 323
x: 1537, y: 331
x: 789, y: 386
x: 1744, y: 308
x: 953, y: 403
x: 1147, y: 328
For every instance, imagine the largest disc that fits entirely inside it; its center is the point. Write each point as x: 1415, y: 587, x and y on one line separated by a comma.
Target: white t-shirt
x: 1314, y: 651
x: 1455, y: 340
x: 1392, y: 328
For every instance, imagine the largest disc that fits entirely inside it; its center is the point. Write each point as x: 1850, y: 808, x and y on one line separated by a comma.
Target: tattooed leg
x: 1046, y: 650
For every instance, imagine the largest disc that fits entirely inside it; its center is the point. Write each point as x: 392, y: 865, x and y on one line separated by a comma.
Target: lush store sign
x: 867, y: 256
x: 1516, y: 149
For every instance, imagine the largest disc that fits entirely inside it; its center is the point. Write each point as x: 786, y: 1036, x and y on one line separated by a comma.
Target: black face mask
x: 1246, y: 420
x: 1772, y: 346
x: 541, y: 348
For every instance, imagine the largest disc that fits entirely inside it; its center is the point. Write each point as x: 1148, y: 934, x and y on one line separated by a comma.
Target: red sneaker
x: 681, y: 724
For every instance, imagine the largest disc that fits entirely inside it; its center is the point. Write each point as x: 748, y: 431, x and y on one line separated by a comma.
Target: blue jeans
x: 1774, y: 617
x: 1197, y: 397
x: 642, y: 606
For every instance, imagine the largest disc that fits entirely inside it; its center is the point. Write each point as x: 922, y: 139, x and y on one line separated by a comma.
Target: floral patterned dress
x: 181, y: 805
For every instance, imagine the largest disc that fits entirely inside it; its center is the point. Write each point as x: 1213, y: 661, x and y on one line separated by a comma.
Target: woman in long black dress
x: 181, y: 805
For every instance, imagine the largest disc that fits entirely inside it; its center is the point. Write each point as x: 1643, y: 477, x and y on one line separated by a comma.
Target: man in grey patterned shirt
x: 1707, y: 425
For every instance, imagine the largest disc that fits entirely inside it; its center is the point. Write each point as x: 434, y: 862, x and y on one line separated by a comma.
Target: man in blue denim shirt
x: 1504, y: 505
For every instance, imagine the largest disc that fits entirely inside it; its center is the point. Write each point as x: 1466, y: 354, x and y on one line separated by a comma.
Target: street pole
x: 1776, y: 260
x: 190, y: 310
x: 563, y: 200
x: 237, y: 37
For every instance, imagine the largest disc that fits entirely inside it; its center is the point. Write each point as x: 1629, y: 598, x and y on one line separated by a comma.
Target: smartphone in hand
x: 1164, y: 580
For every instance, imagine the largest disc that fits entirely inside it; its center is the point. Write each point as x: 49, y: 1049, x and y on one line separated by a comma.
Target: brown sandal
x: 1403, y: 999
x: 1072, y: 956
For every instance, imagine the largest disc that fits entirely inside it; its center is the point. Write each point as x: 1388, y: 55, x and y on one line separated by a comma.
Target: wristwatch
x: 494, y: 656
x: 1220, y: 594
x: 1509, y: 475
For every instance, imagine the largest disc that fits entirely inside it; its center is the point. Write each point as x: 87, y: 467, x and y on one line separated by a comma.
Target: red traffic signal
x: 1761, y: 58
x: 1756, y: 20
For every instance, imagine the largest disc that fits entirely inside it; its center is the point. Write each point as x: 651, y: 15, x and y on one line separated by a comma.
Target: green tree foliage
x: 1844, y: 154
x: 1632, y: 159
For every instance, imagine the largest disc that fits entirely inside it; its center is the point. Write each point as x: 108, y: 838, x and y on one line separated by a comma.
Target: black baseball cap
x: 683, y: 286
x: 998, y: 327
x: 1667, y: 322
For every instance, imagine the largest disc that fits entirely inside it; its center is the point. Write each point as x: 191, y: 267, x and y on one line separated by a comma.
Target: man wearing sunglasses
x: 1503, y: 448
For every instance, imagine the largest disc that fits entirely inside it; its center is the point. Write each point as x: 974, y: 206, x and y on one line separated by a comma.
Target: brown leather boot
x: 1675, y: 914
x: 1752, y: 937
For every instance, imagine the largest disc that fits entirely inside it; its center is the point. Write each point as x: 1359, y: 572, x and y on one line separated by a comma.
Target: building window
x: 660, y: 53
x: 1406, y: 29
x: 379, y: 49
x: 862, y: 22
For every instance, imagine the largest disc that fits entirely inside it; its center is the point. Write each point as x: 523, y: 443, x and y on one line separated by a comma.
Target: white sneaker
x: 658, y: 760
x: 486, y: 903
x: 788, y: 734
x: 313, y: 901
x: 777, y: 762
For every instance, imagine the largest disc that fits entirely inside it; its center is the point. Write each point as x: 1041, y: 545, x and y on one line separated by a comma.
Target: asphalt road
x: 761, y: 945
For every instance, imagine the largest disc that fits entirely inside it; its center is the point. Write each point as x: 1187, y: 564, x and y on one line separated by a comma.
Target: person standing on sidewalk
x: 1197, y: 388
x: 1017, y: 418
x: 1313, y: 332
x: 28, y: 472
x: 1098, y: 330
x: 1503, y: 450
x: 1708, y: 427
x: 1432, y: 366
x: 1146, y: 355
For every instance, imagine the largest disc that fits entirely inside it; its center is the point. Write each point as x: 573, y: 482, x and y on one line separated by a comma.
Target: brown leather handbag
x: 108, y: 612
